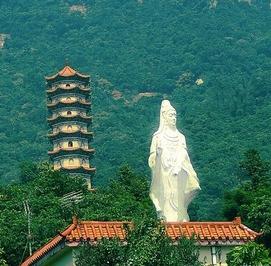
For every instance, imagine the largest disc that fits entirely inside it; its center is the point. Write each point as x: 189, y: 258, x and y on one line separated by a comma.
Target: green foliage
x: 43, y: 191
x: 146, y: 245
x: 250, y: 254
x: 2, y: 260
x: 126, y: 199
x: 255, y: 169
x: 105, y: 252
x: 251, y: 199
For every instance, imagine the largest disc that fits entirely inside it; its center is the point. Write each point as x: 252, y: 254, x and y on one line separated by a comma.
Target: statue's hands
x: 152, y: 160
x: 159, y: 151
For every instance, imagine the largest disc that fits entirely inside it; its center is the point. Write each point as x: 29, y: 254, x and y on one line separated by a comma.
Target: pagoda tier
x: 66, y: 74
x: 63, y: 88
x: 68, y: 104
x: 71, y: 150
x: 60, y: 118
x: 63, y: 104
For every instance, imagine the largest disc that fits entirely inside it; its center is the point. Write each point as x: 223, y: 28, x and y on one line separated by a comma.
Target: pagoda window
x: 68, y: 85
x: 69, y: 112
x: 69, y: 127
x: 68, y: 98
x: 84, y: 162
x: 71, y: 161
x: 70, y: 144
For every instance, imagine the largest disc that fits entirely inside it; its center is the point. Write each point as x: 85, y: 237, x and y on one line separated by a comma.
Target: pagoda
x: 69, y: 105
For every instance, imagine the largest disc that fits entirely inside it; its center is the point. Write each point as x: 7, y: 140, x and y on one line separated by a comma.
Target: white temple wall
x: 215, y: 255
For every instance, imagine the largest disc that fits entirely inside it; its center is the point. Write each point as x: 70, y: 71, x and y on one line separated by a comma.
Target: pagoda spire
x: 69, y: 119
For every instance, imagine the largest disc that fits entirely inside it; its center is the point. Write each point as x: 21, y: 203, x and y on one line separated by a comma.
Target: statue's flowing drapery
x: 174, y: 181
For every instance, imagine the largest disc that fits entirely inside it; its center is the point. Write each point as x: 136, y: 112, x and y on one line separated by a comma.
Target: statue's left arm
x: 152, y: 157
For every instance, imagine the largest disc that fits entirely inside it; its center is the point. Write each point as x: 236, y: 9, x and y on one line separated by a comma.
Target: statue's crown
x: 165, y: 106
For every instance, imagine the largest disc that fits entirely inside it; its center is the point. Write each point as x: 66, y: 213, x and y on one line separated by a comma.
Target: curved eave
x: 64, y: 104
x: 77, y: 118
x: 78, y: 133
x: 65, y: 151
x: 68, y: 89
x: 53, y: 77
x: 79, y: 170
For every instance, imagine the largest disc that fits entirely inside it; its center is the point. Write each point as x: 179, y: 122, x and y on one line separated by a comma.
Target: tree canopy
x: 251, y: 199
x: 250, y: 254
x: 125, y: 199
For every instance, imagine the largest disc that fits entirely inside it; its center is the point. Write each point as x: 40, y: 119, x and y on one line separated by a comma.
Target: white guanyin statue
x: 174, y: 181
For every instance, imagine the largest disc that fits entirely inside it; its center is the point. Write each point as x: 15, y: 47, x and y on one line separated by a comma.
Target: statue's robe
x: 174, y: 181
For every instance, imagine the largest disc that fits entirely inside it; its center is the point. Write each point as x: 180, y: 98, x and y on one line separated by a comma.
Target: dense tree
x: 251, y: 199
x: 42, y: 189
x: 250, y: 254
x: 2, y: 260
x: 125, y: 199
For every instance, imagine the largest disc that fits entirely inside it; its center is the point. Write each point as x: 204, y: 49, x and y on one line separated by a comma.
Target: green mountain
x: 139, y: 52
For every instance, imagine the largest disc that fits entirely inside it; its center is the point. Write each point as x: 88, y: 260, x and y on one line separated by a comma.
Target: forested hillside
x: 212, y: 59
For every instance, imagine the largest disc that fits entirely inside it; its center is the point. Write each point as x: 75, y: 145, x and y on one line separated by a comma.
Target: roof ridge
x: 204, y: 222
x: 250, y: 230
x: 105, y: 222
x: 46, y: 247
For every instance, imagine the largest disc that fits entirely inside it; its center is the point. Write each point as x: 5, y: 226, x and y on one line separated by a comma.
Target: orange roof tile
x: 67, y: 71
x: 91, y: 231
x: 212, y: 231
x: 94, y: 230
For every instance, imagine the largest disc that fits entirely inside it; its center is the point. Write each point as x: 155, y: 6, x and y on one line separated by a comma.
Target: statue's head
x: 170, y: 118
x: 168, y: 113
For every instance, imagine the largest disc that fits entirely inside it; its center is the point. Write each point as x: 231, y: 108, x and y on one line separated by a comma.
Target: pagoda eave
x: 66, y: 104
x: 77, y: 118
x: 78, y: 134
x: 79, y: 170
x: 57, y: 77
x: 59, y: 90
x: 79, y: 151
x: 67, y: 72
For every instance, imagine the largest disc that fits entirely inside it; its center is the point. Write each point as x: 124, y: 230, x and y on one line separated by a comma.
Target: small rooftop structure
x: 67, y: 71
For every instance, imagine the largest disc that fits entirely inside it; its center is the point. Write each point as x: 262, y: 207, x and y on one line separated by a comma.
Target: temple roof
x: 67, y: 71
x: 207, y: 233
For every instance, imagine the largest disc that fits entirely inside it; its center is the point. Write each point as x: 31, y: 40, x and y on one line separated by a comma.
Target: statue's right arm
x: 152, y: 157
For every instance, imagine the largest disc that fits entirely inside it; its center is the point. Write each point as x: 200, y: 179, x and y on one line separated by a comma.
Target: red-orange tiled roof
x: 67, y: 71
x: 81, y: 231
x: 91, y: 231
x: 212, y: 231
